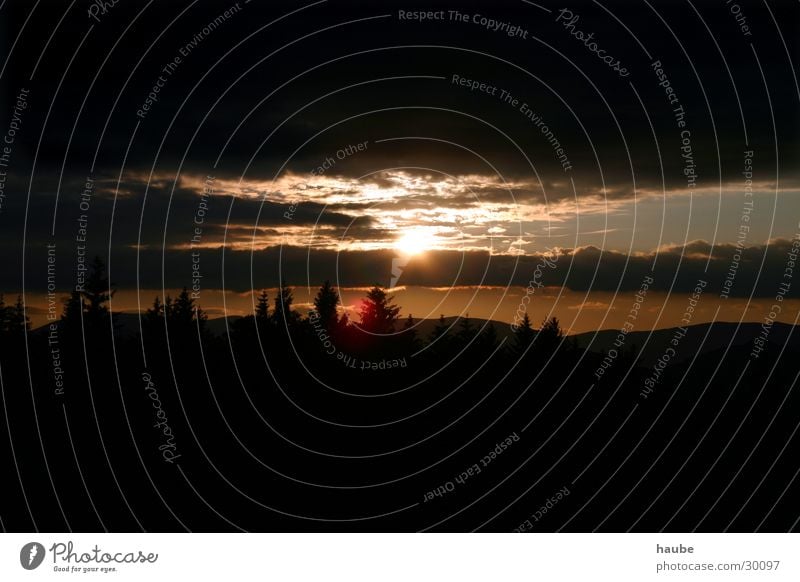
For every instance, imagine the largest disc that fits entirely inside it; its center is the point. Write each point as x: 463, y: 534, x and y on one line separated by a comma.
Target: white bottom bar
x: 400, y: 557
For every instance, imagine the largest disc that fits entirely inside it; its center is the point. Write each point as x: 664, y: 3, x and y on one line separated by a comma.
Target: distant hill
x: 703, y: 338
x: 425, y: 327
x: 651, y: 344
x: 128, y: 324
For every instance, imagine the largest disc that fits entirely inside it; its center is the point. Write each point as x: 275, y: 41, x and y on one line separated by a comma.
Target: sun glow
x: 414, y: 242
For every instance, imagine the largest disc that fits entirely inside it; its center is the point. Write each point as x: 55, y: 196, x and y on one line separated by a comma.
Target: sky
x: 240, y: 146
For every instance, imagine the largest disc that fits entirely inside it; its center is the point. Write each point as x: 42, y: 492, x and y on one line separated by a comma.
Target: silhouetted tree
x: 378, y: 313
x: 439, y: 330
x: 262, y: 307
x: 156, y: 312
x: 184, y: 312
x: 18, y: 321
x: 523, y: 335
x: 552, y: 328
x: 326, y: 303
x: 71, y: 315
x: 12, y: 318
x: 97, y: 291
x: 410, y: 336
x: 466, y: 331
x: 90, y: 304
x: 409, y: 323
x: 441, y: 342
x: 283, y: 313
x: 153, y: 320
x: 550, y: 334
x: 344, y: 333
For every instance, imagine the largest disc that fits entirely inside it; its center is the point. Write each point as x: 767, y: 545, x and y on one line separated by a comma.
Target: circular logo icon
x: 31, y: 555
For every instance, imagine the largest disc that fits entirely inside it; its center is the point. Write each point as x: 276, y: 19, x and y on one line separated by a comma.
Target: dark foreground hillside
x: 291, y: 423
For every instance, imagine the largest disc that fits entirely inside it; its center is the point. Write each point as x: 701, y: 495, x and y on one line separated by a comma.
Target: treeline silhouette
x: 319, y: 421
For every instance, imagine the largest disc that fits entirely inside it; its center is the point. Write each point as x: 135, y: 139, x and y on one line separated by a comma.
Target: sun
x: 413, y: 242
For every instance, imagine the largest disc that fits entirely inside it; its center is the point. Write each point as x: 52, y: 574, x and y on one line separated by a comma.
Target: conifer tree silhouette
x: 439, y: 330
x: 71, y: 315
x: 466, y: 331
x: 19, y: 321
x: 262, y: 307
x: 12, y: 318
x: 283, y: 314
x: 326, y: 304
x: 378, y: 313
x: 523, y: 336
x: 153, y: 321
x: 410, y: 336
x: 87, y: 310
x: 549, y: 335
x: 184, y: 314
x: 97, y: 292
x: 156, y: 312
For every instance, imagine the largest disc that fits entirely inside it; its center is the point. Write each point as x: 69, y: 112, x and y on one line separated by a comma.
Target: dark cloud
x: 274, y: 106
x: 224, y: 101
x: 758, y: 271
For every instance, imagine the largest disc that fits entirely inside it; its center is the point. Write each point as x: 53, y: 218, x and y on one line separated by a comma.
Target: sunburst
x: 414, y: 242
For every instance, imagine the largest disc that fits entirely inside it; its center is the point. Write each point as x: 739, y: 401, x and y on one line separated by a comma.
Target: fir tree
x: 410, y: 333
x: 283, y: 313
x: 466, y: 331
x: 523, y: 335
x: 262, y: 307
x: 97, y: 292
x: 440, y: 330
x: 72, y: 313
x: 184, y: 312
x: 550, y: 334
x: 154, y: 317
x: 157, y: 311
x: 326, y: 304
x: 18, y: 321
x: 12, y: 317
x: 378, y: 313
